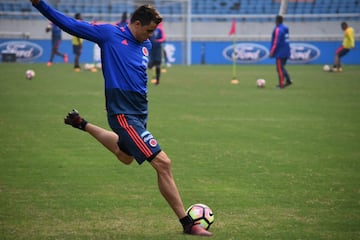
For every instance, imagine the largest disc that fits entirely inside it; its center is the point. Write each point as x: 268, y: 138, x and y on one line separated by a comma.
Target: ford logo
x: 303, y: 53
x: 246, y: 53
x: 25, y: 51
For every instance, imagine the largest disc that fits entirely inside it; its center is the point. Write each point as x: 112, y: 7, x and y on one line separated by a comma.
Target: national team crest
x: 145, y: 51
x: 148, y: 137
x: 153, y: 142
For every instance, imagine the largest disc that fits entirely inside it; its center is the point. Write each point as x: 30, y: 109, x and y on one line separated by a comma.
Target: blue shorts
x: 341, y: 51
x: 134, y: 139
x: 77, y: 49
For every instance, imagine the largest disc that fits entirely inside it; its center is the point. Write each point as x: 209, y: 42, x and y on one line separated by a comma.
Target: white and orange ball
x: 260, y: 83
x: 29, y: 74
x: 326, y: 68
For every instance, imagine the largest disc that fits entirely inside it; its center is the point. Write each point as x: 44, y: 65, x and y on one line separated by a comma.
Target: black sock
x: 157, y: 71
x: 187, y: 223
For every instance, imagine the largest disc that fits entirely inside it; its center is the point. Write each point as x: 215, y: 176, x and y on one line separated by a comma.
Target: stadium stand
x: 322, y: 14
x: 18, y: 8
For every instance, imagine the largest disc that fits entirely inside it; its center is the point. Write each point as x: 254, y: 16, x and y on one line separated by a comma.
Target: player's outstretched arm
x: 70, y: 25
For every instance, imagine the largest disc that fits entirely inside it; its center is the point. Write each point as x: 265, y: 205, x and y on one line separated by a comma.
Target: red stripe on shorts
x: 134, y: 136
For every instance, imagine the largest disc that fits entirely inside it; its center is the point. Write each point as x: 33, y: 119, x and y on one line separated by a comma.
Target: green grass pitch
x: 272, y: 164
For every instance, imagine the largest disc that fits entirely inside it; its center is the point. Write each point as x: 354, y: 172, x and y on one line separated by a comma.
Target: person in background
x: 280, y: 50
x: 77, y: 44
x: 155, y: 56
x: 347, y: 44
x: 55, y: 43
x: 123, y: 21
x: 163, y: 40
x: 125, y: 52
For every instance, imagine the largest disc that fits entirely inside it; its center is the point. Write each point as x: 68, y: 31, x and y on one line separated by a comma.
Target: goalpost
x: 178, y: 16
x: 283, y: 7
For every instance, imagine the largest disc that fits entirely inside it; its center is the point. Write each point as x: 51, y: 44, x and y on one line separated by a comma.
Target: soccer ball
x: 260, y: 83
x: 201, y: 214
x: 326, y: 68
x: 29, y: 74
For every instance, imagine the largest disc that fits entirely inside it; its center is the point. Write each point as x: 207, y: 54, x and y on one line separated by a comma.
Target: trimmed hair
x: 146, y: 14
x: 78, y: 16
x: 279, y: 19
x: 344, y: 25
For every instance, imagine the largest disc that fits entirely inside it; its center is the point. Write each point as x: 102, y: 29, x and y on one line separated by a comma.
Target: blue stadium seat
x: 203, y: 7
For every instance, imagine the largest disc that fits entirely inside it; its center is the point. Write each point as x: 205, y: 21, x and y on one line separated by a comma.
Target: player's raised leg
x: 107, y: 138
x: 161, y: 163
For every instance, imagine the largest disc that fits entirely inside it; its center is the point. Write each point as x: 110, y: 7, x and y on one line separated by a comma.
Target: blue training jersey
x: 280, y: 47
x: 124, y: 60
x: 55, y: 32
x: 156, y: 52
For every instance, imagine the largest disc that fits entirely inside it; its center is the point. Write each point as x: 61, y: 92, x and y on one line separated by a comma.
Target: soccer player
x: 163, y: 40
x: 280, y: 50
x: 155, y: 57
x: 125, y: 52
x: 77, y: 44
x: 347, y: 44
x: 55, y: 43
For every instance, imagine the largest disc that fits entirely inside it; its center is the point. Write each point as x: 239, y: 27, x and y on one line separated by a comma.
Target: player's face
x: 343, y: 26
x: 143, y: 32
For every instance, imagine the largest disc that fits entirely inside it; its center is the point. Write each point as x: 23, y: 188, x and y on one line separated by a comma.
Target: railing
x: 15, y: 35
